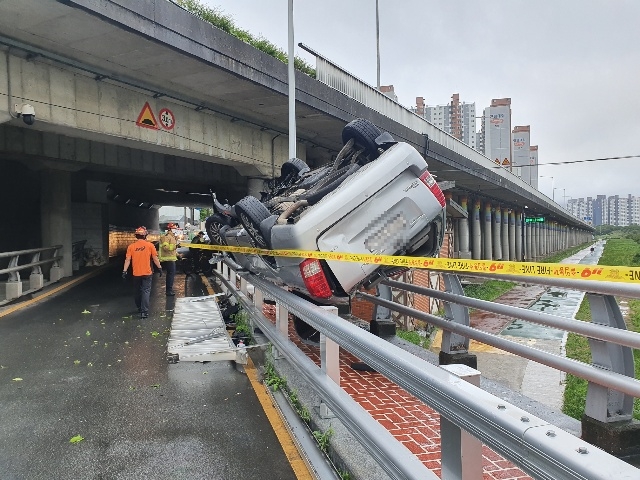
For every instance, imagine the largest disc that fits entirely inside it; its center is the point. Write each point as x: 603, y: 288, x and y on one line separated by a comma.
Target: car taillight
x: 432, y: 185
x: 314, y: 278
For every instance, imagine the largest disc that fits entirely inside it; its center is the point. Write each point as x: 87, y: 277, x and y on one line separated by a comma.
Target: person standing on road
x: 169, y: 256
x: 140, y: 254
x: 196, y: 253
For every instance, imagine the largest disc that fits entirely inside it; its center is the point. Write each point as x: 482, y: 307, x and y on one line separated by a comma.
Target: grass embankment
x: 617, y: 251
x: 216, y: 17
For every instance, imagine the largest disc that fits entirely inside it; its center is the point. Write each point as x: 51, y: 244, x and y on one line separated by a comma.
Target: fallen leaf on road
x: 76, y: 439
x: 86, y: 311
x: 17, y: 379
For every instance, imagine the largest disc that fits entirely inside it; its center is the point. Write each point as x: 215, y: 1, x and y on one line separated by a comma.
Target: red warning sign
x: 146, y: 118
x: 167, y: 119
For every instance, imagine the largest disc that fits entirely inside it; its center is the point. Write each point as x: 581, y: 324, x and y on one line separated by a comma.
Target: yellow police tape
x: 532, y: 269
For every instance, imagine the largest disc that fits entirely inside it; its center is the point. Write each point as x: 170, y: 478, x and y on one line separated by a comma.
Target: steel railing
x: 541, y: 449
x: 13, y: 285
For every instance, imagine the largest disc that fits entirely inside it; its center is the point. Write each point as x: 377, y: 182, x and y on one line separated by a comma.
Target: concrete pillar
x: 463, y: 231
x: 255, y: 186
x: 497, y: 237
x: 527, y: 241
x: 505, y: 234
x: 488, y: 246
x: 543, y: 240
x: 476, y: 235
x: 55, y: 214
x: 534, y: 242
x: 518, y: 235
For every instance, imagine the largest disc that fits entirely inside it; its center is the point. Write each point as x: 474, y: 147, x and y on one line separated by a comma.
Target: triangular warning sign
x: 505, y: 161
x: 498, y: 161
x: 146, y: 118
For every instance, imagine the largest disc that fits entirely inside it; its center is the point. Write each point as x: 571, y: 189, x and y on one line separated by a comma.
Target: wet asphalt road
x: 103, y: 375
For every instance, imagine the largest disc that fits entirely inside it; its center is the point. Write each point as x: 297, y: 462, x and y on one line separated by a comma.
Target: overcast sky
x: 570, y: 67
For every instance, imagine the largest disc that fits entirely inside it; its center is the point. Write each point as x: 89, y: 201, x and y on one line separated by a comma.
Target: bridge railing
x: 539, y: 448
x: 28, y: 260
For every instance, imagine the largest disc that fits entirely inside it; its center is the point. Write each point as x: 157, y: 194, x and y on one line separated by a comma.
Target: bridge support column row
x: 499, y: 233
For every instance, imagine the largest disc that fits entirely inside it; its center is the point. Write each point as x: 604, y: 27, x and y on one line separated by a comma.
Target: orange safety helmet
x: 141, y: 231
x: 171, y: 226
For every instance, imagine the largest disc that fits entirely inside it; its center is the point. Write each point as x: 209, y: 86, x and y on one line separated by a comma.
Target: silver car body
x: 382, y: 209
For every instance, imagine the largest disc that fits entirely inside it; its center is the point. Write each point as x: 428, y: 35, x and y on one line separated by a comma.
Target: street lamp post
x: 552, y: 189
x: 378, y: 45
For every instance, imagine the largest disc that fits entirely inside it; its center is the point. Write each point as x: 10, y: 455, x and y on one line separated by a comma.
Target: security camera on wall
x: 27, y: 112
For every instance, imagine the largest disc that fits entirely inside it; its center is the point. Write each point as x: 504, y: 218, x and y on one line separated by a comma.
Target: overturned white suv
x: 376, y: 198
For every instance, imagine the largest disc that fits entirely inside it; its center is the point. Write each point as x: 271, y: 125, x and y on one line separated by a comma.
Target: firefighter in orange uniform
x: 140, y: 254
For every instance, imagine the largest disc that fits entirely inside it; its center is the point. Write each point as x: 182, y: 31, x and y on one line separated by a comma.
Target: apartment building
x: 456, y: 118
x: 613, y: 210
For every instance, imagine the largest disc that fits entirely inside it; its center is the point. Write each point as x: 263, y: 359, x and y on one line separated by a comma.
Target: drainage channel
x: 540, y: 382
x: 556, y: 301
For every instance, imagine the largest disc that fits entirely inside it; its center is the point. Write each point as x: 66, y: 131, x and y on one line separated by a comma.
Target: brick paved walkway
x: 408, y: 419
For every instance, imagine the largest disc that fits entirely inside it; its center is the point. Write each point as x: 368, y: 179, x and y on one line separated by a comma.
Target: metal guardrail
x: 36, y: 279
x: 612, y: 386
x: 539, y: 448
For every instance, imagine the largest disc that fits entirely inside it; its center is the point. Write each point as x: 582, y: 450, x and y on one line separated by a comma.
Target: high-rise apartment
x: 496, y: 131
x: 521, y: 155
x: 456, y: 118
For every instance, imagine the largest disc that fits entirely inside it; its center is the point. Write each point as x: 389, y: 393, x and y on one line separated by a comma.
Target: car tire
x: 251, y: 213
x: 364, y: 134
x: 212, y: 225
x: 306, y: 332
x: 294, y: 166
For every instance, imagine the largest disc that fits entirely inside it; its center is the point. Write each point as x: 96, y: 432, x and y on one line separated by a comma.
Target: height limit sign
x: 167, y: 119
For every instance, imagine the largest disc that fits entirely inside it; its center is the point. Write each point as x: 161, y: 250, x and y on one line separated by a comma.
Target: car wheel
x: 306, y: 332
x: 212, y: 225
x: 252, y: 212
x: 294, y: 166
x: 364, y: 134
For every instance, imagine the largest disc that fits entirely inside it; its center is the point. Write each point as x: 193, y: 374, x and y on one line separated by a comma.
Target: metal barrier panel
x: 539, y: 448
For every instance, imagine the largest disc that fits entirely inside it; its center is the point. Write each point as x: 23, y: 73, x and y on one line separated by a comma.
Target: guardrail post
x: 329, y: 361
x: 14, y: 284
x: 36, y: 279
x: 455, y: 347
x: 223, y: 272
x: 243, y: 285
x: 233, y: 278
x: 282, y: 325
x: 608, y: 415
x: 461, y: 451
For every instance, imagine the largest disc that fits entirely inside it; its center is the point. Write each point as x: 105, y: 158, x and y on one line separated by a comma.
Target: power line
x: 589, y: 160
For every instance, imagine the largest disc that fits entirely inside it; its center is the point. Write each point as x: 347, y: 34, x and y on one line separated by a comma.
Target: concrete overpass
x: 143, y: 102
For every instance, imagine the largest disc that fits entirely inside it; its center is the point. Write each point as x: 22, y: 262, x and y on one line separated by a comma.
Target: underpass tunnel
x: 53, y: 201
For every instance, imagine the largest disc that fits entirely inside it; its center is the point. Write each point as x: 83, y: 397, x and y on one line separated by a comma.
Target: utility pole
x: 291, y: 77
x: 378, y: 44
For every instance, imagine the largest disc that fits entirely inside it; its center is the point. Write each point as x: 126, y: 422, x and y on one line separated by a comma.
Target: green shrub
x: 218, y: 19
